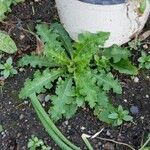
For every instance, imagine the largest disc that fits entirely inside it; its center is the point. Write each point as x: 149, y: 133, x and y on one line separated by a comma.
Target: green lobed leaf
x: 125, y: 66
x: 102, y: 62
x: 144, y: 60
x: 120, y: 109
x: 86, y: 87
x: 88, y: 46
x: 36, y: 60
x: 7, y: 45
x: 64, y: 100
x: 44, y: 32
x: 53, y: 47
x: 113, y: 116
x: 107, y: 82
x: 127, y: 118
x: 40, y: 82
x: 103, y: 112
x: 119, y: 122
x: 116, y: 53
x: 7, y: 68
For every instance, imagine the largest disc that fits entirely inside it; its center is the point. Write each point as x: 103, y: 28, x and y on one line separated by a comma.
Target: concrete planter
x: 122, y: 20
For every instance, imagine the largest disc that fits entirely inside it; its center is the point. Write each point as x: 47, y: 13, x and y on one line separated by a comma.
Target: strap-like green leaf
x: 50, y: 127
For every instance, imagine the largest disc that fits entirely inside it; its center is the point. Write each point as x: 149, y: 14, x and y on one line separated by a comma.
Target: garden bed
x: 18, y: 119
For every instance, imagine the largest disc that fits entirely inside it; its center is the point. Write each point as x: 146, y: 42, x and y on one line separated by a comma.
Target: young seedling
x: 5, y: 6
x: 35, y: 143
x: 135, y: 44
x: 144, y: 61
x: 70, y: 65
x: 119, y: 116
x: 7, y: 68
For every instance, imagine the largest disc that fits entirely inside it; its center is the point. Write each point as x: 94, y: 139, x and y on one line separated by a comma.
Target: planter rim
x: 99, y: 5
x: 121, y: 20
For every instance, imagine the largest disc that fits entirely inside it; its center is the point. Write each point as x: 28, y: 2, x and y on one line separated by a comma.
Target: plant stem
x: 53, y: 135
x: 86, y: 141
x: 145, y: 144
x: 49, y: 122
x: 116, y: 142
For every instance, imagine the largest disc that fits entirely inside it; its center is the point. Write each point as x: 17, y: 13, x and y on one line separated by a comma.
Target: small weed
x: 35, y: 143
x: 144, y: 61
x: 70, y: 65
x: 120, y: 115
x: 7, y: 68
x: 135, y: 44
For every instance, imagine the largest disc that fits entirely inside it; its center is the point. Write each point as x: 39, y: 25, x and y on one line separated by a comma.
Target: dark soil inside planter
x: 18, y: 119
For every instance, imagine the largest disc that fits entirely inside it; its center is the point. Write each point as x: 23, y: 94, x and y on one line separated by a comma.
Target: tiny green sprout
x: 35, y: 143
x: 7, y: 68
x: 135, y: 44
x: 1, y: 128
x: 119, y: 116
x: 144, y: 60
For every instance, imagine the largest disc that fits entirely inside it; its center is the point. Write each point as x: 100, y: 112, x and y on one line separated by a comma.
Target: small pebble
x: 26, y: 102
x: 22, y: 37
x: 43, y: 104
x: 108, y: 133
x: 99, y: 143
x: 134, y: 110
x: 26, y: 120
x: 69, y: 127
x: 136, y: 79
x: 21, y: 116
x: 66, y: 122
x: 82, y: 128
x: 41, y: 97
x: 2, y: 79
x: 147, y: 96
x: 145, y: 46
x: 125, y: 100
x: 109, y: 146
x: 47, y: 98
x: 21, y: 69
